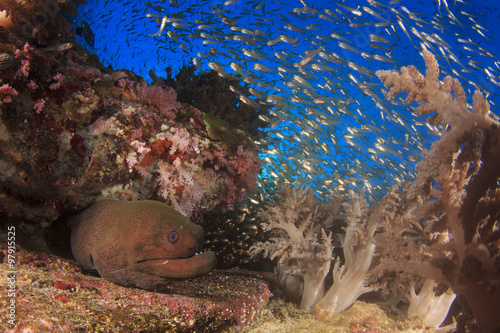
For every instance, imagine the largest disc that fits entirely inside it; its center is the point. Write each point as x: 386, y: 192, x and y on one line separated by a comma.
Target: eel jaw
x: 196, y: 265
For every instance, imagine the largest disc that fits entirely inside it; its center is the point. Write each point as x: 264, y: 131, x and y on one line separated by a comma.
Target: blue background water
x: 334, y: 144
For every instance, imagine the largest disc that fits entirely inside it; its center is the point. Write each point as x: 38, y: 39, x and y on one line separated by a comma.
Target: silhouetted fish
x: 86, y: 32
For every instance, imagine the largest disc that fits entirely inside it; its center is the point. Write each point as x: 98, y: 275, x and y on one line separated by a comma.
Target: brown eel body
x: 140, y: 244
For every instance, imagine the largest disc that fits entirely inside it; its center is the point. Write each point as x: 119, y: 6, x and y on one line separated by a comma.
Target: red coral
x: 62, y: 298
x: 159, y: 149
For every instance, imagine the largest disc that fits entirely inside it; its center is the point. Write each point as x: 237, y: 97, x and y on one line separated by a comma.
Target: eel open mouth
x: 196, y: 265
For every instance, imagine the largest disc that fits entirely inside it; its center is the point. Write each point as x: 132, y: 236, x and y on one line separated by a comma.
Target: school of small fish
x: 314, y: 64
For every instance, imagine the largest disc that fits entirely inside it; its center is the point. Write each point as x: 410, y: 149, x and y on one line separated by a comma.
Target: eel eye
x: 173, y: 236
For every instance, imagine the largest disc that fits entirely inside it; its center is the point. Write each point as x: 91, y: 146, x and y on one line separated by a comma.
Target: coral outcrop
x: 73, y: 132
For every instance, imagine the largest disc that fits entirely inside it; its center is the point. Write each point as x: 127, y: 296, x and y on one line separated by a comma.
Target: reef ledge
x: 53, y: 293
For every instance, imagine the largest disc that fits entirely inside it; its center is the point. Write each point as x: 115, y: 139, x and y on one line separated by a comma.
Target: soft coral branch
x: 350, y: 279
x: 297, y: 222
x: 461, y: 238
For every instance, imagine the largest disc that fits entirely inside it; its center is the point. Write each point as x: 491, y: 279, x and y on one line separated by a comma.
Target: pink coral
x: 182, y: 142
x: 8, y: 91
x: 23, y: 70
x: 184, y: 185
x: 125, y: 82
x: 32, y: 85
x: 59, y: 78
x: 18, y: 53
x: 143, y: 150
x: 39, y: 105
x: 177, y: 162
x: 163, y: 97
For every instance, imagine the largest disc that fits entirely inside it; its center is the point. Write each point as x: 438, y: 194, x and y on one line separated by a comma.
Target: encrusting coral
x: 440, y: 231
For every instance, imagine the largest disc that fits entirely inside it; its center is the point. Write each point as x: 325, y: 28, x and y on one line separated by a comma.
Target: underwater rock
x: 40, y: 22
x: 53, y: 294
x: 73, y: 132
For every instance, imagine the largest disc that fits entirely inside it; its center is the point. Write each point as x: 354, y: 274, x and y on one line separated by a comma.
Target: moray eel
x: 139, y: 243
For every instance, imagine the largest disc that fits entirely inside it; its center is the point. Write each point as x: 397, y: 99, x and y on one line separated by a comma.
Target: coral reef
x: 52, y: 294
x: 73, y: 132
x: 439, y: 232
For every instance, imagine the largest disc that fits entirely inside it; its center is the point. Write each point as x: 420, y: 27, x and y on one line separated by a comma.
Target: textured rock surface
x: 52, y: 294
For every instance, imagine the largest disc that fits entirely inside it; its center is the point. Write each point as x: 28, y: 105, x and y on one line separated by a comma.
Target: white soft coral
x: 297, y: 224
x: 349, y: 280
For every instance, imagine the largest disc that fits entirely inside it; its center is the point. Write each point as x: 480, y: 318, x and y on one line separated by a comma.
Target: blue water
x: 355, y: 126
